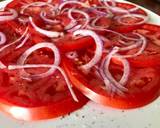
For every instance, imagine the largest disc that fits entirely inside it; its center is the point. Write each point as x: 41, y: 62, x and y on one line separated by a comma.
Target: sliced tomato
x: 33, y: 101
x: 151, y: 55
x: 12, y: 36
x: 116, y: 26
x: 143, y: 85
x: 128, y: 28
x: 30, y: 97
x: 68, y: 43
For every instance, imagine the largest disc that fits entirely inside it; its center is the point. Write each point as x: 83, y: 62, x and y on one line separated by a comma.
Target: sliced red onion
x: 23, y: 41
x: 106, y: 13
x: 144, y: 19
x: 2, y: 66
x: 50, y: 21
x: 51, y: 34
x: 12, y: 16
x: 99, y: 47
x: 49, y: 1
x: 77, y: 27
x: 36, y: 4
x: 2, y: 38
x: 114, y: 32
x: 126, y: 67
x: 107, y: 76
x: 142, y: 42
x: 116, y: 9
x: 74, y: 21
x: 72, y: 55
x: 69, y: 85
x: 23, y: 20
x: 93, y: 23
x: 19, y: 39
x: 22, y: 59
x: 61, y: 6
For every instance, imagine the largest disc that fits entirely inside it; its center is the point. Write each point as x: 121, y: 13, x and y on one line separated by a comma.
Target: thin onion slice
x: 116, y: 9
x: 51, y: 34
x: 69, y: 85
x: 118, y: 87
x: 23, y: 41
x: 74, y: 21
x: 36, y: 4
x: 135, y: 16
x: 50, y: 21
x: 61, y: 6
x: 142, y: 41
x: 2, y: 66
x: 28, y: 52
x: 19, y: 39
x: 99, y: 47
x: 12, y: 16
x: 2, y: 38
x: 93, y: 23
x: 106, y: 13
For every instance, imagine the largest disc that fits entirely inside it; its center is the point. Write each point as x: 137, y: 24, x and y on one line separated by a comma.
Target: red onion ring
x: 77, y: 27
x: 50, y: 21
x: 37, y: 4
x: 19, y: 39
x: 106, y: 13
x: 2, y: 66
x: 99, y: 47
x: 74, y: 21
x: 69, y: 85
x: 23, y: 41
x: 12, y: 16
x: 29, y: 51
x: 142, y: 42
x: 2, y: 38
x: 51, y: 34
x: 118, y: 87
x: 119, y: 19
x: 61, y: 6
x: 115, y: 9
x: 93, y: 23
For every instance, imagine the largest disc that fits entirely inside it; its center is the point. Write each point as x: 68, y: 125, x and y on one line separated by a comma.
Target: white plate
x: 96, y: 116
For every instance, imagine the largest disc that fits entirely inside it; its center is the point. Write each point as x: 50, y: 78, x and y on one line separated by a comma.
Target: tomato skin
x: 69, y: 44
x: 91, y: 92
x: 43, y: 112
x: 150, y: 27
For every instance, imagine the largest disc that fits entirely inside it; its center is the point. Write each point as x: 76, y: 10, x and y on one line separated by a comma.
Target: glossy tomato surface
x: 142, y: 85
x: 35, y: 99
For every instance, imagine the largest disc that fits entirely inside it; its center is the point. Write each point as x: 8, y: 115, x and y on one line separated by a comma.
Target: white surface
x: 96, y: 116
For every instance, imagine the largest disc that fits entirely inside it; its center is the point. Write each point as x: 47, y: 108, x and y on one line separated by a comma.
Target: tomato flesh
x: 38, y: 101
x: 142, y: 89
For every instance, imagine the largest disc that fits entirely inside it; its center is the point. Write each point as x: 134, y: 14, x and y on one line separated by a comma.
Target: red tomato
x: 33, y: 101
x: 151, y: 55
x: 31, y: 98
x: 8, y: 48
x: 118, y: 26
x: 68, y: 43
x: 128, y: 28
x: 143, y: 85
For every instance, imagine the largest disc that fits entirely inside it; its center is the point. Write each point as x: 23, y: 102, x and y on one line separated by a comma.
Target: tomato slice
x: 151, y: 55
x: 33, y: 101
x: 116, y: 26
x: 30, y: 97
x: 142, y: 85
x: 128, y: 28
x: 69, y: 43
